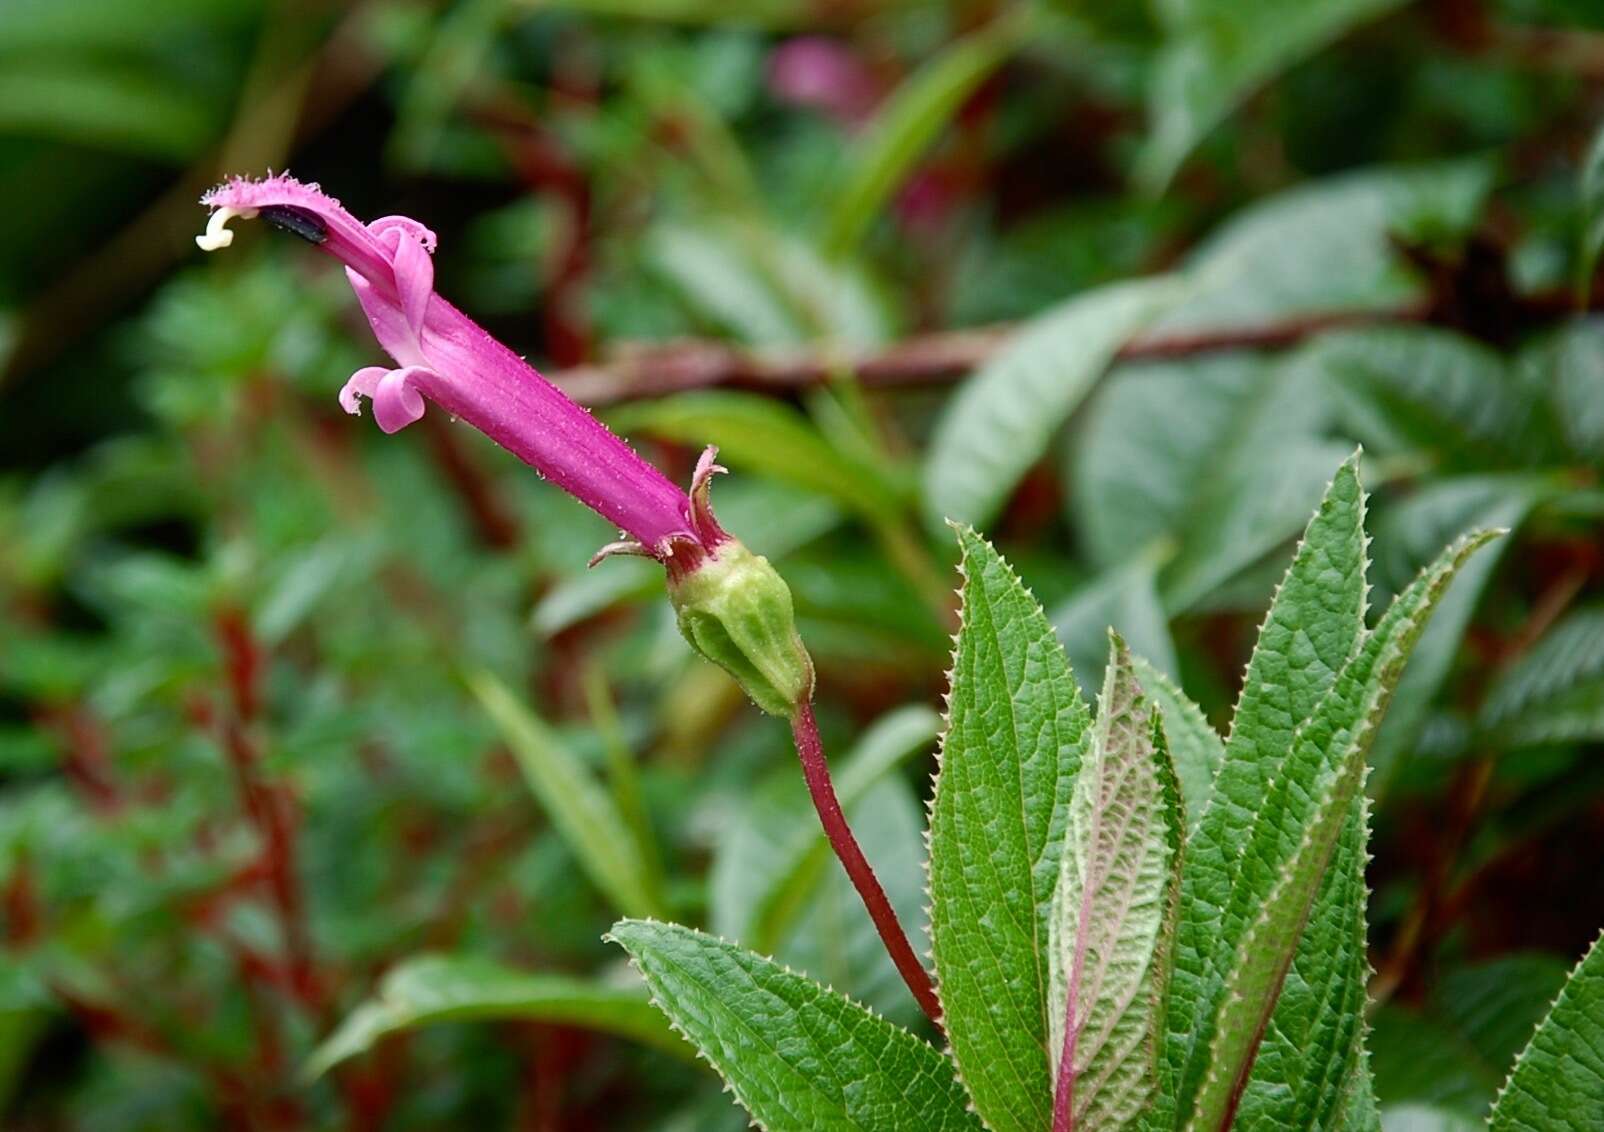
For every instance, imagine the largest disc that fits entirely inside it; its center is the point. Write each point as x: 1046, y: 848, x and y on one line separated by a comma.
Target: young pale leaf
x: 1295, y: 834
x: 443, y: 988
x: 576, y: 804
x: 1195, y: 747
x: 1016, y: 733
x: 798, y: 1057
x: 1003, y: 417
x: 1558, y: 1082
x: 909, y: 121
x: 1113, y: 916
x: 1313, y: 626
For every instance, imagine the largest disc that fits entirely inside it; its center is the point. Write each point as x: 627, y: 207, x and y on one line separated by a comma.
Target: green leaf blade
x: 1195, y: 747
x: 429, y: 989
x: 1296, y: 832
x: 796, y: 1055
x: 1016, y: 731
x: 909, y: 122
x: 1313, y: 626
x: 1558, y: 1080
x: 1002, y: 418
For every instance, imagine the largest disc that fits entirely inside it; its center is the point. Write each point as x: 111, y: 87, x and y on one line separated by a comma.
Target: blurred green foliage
x: 245, y: 782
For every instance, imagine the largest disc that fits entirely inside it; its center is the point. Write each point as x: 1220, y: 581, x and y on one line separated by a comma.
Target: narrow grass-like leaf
x: 442, y: 988
x: 581, y: 811
x: 1296, y: 831
x: 909, y: 121
x: 755, y: 432
x: 1592, y: 194
x: 1558, y: 1081
x: 1016, y: 733
x: 1003, y: 417
x: 1113, y: 917
x: 1195, y: 747
x: 797, y: 1056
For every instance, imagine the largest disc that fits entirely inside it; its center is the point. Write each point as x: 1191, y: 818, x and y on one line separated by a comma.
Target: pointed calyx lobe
x: 1113, y: 917
x: 1016, y: 733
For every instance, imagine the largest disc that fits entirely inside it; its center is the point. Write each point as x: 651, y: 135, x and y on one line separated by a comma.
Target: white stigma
x: 217, y: 234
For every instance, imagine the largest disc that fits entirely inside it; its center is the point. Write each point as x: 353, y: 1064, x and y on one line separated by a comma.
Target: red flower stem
x: 816, y: 771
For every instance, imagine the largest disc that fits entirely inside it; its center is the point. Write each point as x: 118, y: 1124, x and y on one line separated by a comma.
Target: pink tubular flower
x: 443, y: 356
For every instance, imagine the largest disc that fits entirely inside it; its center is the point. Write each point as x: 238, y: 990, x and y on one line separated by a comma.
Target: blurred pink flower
x: 820, y: 73
x: 443, y: 356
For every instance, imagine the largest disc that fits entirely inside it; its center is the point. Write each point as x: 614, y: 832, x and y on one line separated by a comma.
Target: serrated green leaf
x: 905, y: 126
x: 1296, y: 832
x: 1000, y: 421
x: 1575, y: 362
x: 1558, y: 1081
x: 798, y: 1057
x: 1407, y: 389
x: 1217, y: 52
x: 1113, y: 915
x: 1325, y: 246
x: 1254, y: 497
x: 1016, y: 733
x: 1313, y: 626
x: 1195, y: 747
x: 1455, y: 1051
x: 1555, y: 693
x: 756, y: 432
x: 1152, y: 432
x: 429, y: 989
x: 577, y: 806
x: 770, y: 859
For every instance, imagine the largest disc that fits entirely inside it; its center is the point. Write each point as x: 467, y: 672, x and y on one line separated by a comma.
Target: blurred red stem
x: 816, y: 771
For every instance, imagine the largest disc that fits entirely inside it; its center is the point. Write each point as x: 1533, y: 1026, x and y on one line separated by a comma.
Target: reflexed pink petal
x: 363, y: 383
x: 397, y: 402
